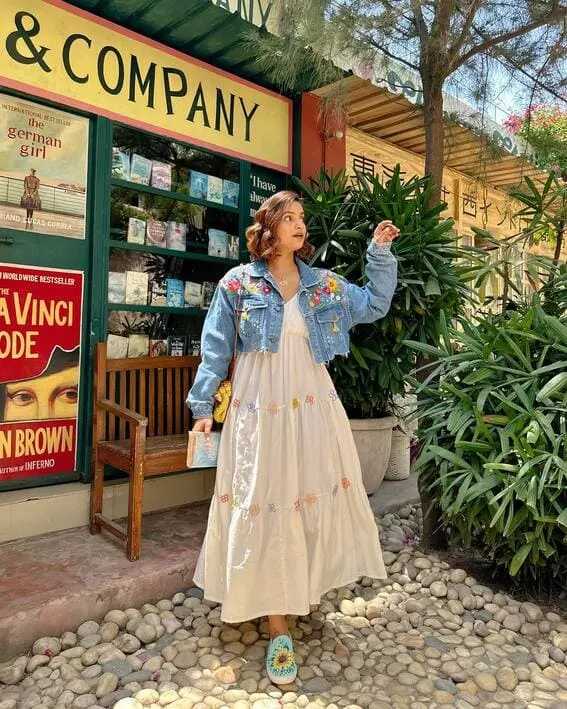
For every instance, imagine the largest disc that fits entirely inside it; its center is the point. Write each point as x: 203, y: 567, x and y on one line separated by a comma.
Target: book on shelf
x: 136, y: 288
x: 218, y: 243
x: 208, y: 290
x: 158, y: 293
x: 116, y: 347
x: 176, y: 236
x: 136, y: 230
x: 230, y: 193
x: 192, y: 295
x: 233, y: 247
x: 116, y: 287
x: 156, y: 233
x: 120, y: 164
x: 140, y: 169
x: 175, y: 293
x: 194, y: 347
x: 198, y: 184
x: 158, y: 348
x: 214, y: 189
x: 161, y: 175
x: 138, y: 345
x: 177, y: 345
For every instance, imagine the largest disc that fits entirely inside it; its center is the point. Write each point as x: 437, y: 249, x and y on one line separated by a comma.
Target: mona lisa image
x: 52, y: 395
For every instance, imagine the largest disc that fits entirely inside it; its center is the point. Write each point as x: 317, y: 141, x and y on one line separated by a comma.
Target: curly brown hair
x: 261, y: 236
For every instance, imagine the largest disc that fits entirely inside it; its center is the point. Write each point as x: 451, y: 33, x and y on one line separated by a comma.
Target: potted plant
x: 341, y: 214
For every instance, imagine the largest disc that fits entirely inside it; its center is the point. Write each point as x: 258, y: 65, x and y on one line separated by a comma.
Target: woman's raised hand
x: 385, y: 232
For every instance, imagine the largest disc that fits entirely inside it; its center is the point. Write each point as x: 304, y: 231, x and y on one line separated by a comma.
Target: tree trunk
x: 434, y: 130
x: 558, y: 243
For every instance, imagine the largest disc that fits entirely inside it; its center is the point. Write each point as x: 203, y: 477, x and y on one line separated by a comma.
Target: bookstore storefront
x: 128, y: 174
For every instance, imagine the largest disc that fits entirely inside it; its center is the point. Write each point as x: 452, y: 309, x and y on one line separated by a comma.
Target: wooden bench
x: 140, y: 427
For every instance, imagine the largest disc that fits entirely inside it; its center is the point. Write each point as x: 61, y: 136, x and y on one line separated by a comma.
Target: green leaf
x: 519, y: 558
x: 432, y: 286
x: 555, y: 385
x: 358, y: 356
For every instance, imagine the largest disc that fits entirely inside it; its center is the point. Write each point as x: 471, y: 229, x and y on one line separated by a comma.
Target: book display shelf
x: 174, y: 231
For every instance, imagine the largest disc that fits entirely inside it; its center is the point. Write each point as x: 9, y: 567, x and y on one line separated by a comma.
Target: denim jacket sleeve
x: 217, y: 346
x: 372, y: 301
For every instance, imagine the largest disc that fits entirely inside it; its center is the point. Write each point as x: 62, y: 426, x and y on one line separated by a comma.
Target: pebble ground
x: 429, y: 636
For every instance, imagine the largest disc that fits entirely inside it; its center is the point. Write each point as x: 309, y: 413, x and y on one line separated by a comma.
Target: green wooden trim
x: 195, y: 312
x: 189, y: 255
x: 100, y: 170
x: 178, y: 196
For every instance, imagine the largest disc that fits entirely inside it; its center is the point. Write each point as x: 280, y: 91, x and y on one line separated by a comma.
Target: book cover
x: 218, y: 243
x: 156, y: 233
x: 176, y: 236
x: 207, y: 291
x: 175, y: 293
x: 233, y: 247
x: 176, y: 345
x: 136, y: 288
x: 138, y: 345
x: 161, y: 175
x: 214, y: 189
x: 158, y: 293
x: 116, y: 287
x: 192, y: 295
x: 202, y: 449
x: 120, y: 164
x: 199, y: 185
x: 194, y: 347
x: 158, y: 348
x: 136, y: 230
x: 140, y: 169
x: 230, y: 193
x: 116, y: 347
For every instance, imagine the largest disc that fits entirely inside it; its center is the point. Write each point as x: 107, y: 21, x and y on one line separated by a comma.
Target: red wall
x: 316, y: 149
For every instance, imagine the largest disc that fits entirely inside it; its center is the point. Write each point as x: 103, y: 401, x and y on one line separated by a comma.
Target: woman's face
x: 50, y: 397
x: 291, y: 230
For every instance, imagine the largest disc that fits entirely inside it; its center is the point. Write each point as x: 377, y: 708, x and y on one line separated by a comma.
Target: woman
x: 289, y: 519
x: 30, y: 199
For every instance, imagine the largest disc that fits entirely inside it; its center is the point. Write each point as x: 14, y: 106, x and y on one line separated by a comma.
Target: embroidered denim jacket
x: 330, y: 304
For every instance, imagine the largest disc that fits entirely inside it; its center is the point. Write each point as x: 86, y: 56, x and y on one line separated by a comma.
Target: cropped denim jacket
x: 330, y: 305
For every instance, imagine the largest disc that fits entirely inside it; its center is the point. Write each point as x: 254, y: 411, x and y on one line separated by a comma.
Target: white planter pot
x: 373, y: 439
x: 399, y: 464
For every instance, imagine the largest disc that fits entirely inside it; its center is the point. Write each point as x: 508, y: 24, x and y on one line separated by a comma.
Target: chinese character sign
x: 40, y: 338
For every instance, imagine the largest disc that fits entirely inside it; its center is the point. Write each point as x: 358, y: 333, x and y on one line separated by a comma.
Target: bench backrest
x: 155, y: 387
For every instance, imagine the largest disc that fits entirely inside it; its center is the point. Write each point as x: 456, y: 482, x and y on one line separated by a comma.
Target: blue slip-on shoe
x: 280, y: 660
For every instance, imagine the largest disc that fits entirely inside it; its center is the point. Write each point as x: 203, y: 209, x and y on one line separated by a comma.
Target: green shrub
x: 341, y: 217
x: 494, y: 453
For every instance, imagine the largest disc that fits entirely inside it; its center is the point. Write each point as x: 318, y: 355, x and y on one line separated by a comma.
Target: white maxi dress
x: 289, y: 519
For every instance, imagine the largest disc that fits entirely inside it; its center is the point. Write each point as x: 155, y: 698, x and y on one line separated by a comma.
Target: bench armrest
x: 131, y: 416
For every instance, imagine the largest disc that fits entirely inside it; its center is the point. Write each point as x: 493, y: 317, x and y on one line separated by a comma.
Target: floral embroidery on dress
x: 252, y: 408
x: 254, y: 510
x: 273, y: 408
x: 333, y: 394
x: 345, y: 482
x: 295, y: 403
x: 225, y: 498
x: 335, y: 489
x: 236, y: 403
x: 310, y: 399
x: 272, y: 507
x: 311, y: 498
x: 297, y: 505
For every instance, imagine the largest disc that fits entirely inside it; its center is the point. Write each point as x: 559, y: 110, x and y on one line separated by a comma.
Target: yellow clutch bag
x: 222, y: 401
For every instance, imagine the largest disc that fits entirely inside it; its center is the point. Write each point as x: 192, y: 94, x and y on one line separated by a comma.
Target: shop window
x: 174, y: 231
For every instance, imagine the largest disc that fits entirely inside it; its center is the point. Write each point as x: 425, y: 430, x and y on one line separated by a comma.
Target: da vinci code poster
x: 40, y: 346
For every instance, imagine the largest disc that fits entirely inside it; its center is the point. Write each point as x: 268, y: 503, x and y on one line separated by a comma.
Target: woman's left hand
x: 386, y: 232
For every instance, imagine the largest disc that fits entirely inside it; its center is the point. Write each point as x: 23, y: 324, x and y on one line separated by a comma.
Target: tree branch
x: 488, y: 43
x: 385, y: 51
x: 419, y: 22
x: 453, y: 51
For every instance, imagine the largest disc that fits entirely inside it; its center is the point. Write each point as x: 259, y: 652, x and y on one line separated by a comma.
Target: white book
x: 116, y: 347
x: 137, y: 288
x: 136, y: 230
x: 192, y: 295
x: 116, y: 287
x: 214, y: 189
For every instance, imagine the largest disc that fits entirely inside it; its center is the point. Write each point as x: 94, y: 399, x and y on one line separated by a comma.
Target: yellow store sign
x: 64, y: 54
